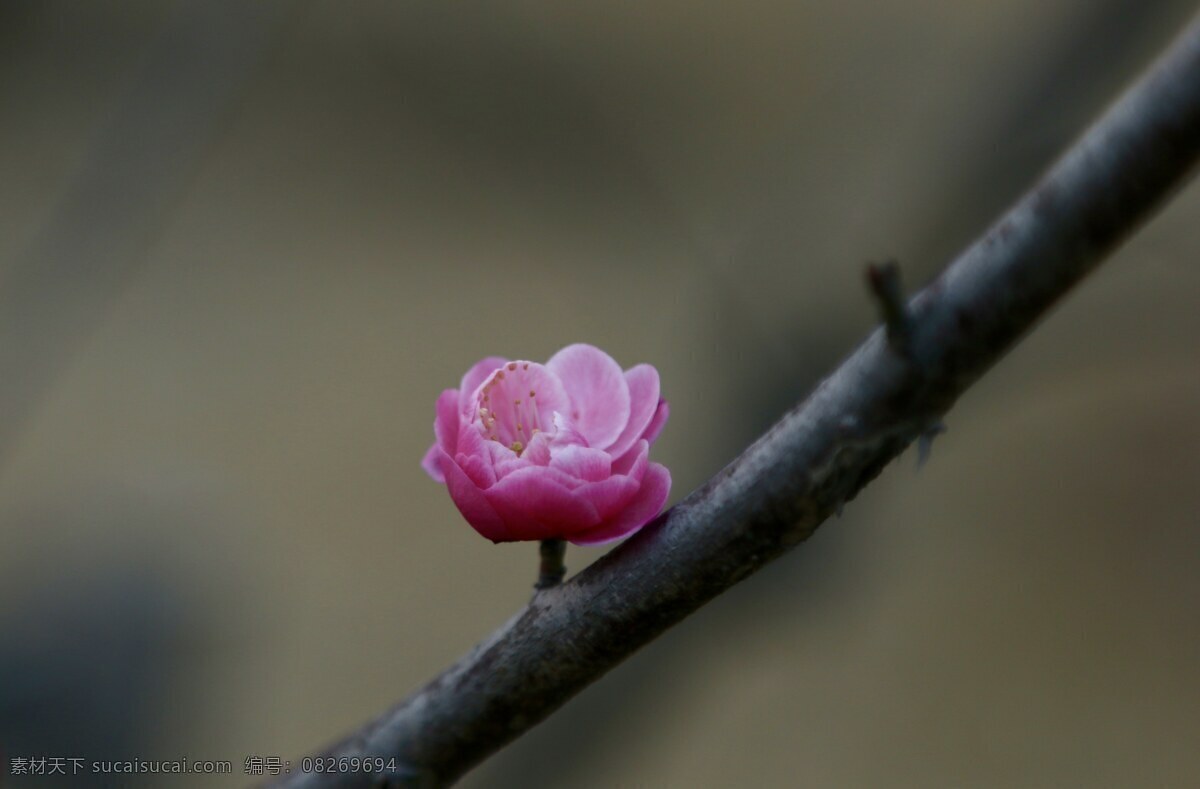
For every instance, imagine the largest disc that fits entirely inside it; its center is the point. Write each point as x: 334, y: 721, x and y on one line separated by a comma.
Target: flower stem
x: 552, y: 568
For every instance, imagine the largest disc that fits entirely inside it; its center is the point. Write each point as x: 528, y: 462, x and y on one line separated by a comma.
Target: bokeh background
x: 244, y: 245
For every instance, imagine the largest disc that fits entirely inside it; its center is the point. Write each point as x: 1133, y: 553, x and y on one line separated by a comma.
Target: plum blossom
x: 554, y: 451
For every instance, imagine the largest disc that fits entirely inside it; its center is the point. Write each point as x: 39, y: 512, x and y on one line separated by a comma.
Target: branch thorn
x: 883, y: 280
x: 925, y: 441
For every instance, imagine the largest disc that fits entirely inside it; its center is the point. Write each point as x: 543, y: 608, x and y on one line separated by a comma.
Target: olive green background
x: 215, y: 538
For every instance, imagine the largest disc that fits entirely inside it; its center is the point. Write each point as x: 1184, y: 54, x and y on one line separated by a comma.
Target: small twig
x: 552, y: 569
x: 883, y: 280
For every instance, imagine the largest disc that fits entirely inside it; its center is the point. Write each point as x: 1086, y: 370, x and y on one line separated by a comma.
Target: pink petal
x: 561, y: 478
x: 565, y: 433
x: 432, y: 463
x: 517, y: 400
x: 445, y: 426
x: 471, y: 502
x: 598, y: 391
x: 477, y: 457
x: 504, y: 468
x: 497, y: 452
x: 648, y: 502
x: 480, y: 471
x: 609, y: 496
x: 656, y: 424
x: 643, y: 402
x: 472, y: 442
x: 476, y: 376
x: 535, y: 506
x: 583, y: 463
x: 538, y: 451
x: 633, y: 462
x: 652, y: 431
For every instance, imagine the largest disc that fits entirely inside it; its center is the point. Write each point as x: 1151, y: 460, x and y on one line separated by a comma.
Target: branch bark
x: 818, y: 456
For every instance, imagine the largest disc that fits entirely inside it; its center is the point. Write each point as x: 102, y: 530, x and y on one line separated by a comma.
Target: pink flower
x: 552, y: 451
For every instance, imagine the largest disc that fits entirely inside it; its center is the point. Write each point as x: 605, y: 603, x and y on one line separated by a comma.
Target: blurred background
x: 243, y: 246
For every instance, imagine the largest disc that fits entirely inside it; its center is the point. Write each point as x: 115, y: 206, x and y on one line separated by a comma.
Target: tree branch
x: 816, y: 457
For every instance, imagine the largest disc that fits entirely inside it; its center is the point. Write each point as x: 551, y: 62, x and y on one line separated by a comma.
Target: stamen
x: 522, y: 420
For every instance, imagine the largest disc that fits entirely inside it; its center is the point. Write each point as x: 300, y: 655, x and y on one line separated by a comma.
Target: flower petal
x: 648, y: 502
x: 583, y: 463
x: 656, y: 424
x: 445, y: 426
x: 565, y: 433
x: 643, y: 385
x: 633, y: 463
x: 517, y: 402
x: 506, y: 467
x: 535, y: 506
x: 432, y: 463
x: 477, y: 457
x: 609, y: 496
x: 598, y: 391
x: 471, y: 502
x: 652, y: 430
x: 445, y: 429
x: 538, y: 451
x: 478, y: 373
x: 481, y: 473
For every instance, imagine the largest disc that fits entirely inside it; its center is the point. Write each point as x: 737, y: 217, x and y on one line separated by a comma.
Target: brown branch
x: 818, y: 456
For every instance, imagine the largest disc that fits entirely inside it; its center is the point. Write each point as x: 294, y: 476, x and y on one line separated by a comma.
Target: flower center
x: 508, y: 409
